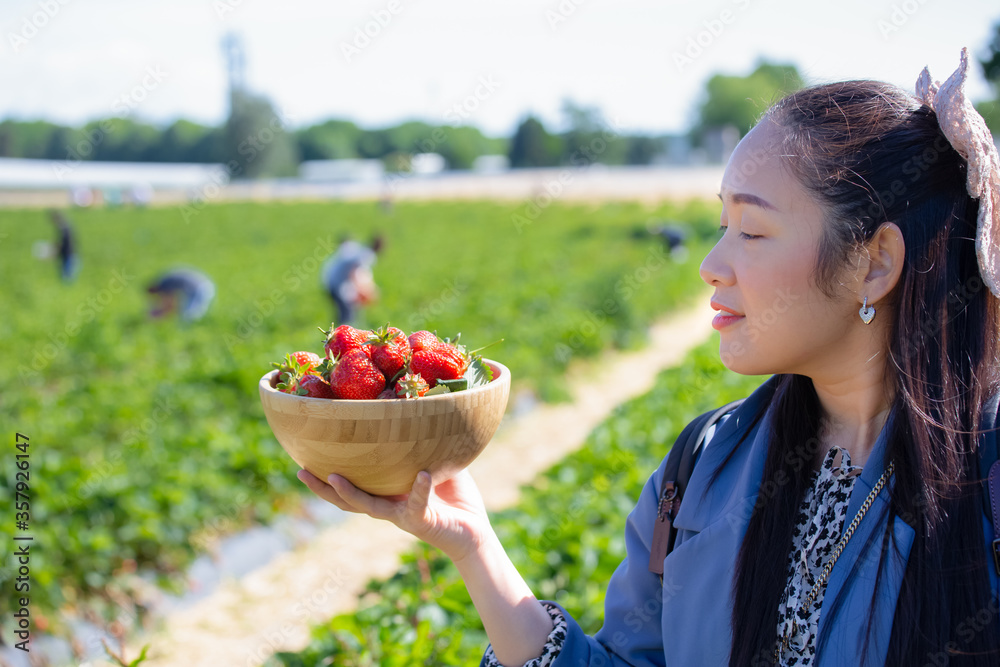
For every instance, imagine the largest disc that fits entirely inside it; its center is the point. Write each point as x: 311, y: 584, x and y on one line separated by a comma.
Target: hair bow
x: 966, y: 130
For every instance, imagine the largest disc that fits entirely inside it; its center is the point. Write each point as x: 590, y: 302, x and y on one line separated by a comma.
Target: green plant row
x: 566, y: 536
x: 148, y: 441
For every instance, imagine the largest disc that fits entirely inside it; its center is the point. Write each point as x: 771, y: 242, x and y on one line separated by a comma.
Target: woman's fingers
x: 340, y: 492
x: 323, y: 490
x: 359, y: 501
x: 420, y: 494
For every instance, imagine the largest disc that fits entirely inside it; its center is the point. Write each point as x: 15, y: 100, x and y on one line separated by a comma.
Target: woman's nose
x: 715, y: 269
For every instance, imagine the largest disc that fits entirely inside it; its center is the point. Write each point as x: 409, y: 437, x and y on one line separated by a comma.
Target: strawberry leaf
x: 478, y: 373
x: 454, y: 385
x: 438, y: 389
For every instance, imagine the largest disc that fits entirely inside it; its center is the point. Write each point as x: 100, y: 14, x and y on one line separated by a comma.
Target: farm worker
x: 186, y: 291
x: 672, y: 235
x: 838, y: 516
x: 65, y: 246
x: 347, y: 277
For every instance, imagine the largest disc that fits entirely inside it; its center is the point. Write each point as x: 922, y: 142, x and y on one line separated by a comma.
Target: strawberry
x: 295, y: 365
x: 315, y: 387
x: 389, y: 350
x: 421, y: 339
x: 356, y: 377
x: 343, y: 339
x: 310, y: 359
x: 303, y: 380
x: 306, y: 362
x: 443, y: 362
x: 411, y: 385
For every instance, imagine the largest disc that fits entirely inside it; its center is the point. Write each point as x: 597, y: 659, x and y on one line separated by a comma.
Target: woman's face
x: 773, y: 317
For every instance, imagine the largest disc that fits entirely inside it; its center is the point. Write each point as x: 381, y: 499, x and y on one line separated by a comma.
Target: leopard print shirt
x: 552, y: 646
x: 819, y: 526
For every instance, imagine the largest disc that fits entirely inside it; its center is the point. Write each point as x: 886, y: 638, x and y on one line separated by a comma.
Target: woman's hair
x: 869, y: 153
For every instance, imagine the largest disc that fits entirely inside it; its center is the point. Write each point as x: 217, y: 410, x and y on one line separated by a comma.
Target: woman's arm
x: 517, y: 624
x: 453, y: 518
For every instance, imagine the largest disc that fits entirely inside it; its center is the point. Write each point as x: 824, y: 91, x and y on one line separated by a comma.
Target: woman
x: 835, y: 517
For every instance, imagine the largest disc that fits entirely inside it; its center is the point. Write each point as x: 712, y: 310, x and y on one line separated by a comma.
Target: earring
x: 867, y: 312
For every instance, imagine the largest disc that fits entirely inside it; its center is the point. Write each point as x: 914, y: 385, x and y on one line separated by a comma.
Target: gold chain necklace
x: 785, y: 641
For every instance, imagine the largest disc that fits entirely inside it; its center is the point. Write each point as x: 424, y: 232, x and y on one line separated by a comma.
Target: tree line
x: 256, y: 141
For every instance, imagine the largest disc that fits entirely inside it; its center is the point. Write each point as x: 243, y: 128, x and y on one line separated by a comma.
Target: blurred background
x: 318, y: 93
x: 174, y: 177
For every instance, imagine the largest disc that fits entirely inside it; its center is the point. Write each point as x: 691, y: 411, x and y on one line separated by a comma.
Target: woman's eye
x: 743, y: 235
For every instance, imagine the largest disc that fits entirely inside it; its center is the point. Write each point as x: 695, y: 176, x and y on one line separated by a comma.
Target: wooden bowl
x: 381, y: 445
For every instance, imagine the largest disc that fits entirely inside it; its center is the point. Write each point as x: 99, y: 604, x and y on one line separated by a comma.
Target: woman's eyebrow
x: 752, y: 200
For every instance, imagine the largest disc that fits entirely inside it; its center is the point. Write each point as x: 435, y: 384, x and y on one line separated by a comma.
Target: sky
x: 643, y: 63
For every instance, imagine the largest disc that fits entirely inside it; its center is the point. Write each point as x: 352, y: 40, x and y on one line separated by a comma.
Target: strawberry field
x: 147, y: 435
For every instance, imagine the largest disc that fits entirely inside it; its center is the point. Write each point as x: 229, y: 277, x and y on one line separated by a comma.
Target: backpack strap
x: 989, y: 462
x: 676, y: 473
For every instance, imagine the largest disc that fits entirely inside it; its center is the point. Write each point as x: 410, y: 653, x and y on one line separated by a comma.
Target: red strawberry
x: 343, y: 339
x: 356, y: 377
x: 422, y: 339
x: 310, y: 359
x: 389, y: 350
x: 305, y: 362
x: 443, y: 362
x: 295, y: 365
x: 315, y: 387
x: 303, y: 380
x: 411, y: 385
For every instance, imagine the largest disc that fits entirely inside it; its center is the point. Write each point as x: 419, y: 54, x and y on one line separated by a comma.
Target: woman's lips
x: 723, y: 320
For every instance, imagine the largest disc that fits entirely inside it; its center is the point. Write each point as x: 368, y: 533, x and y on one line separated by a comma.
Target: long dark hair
x: 869, y: 153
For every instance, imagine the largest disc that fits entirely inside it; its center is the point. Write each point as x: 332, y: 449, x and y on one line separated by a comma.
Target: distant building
x: 490, y: 164
x: 720, y: 142
x: 342, y: 171
x: 121, y: 177
x: 427, y: 163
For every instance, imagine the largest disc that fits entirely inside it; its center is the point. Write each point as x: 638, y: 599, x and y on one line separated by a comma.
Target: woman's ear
x: 881, y: 263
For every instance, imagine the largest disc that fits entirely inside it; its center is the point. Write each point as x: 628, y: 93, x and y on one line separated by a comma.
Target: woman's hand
x: 451, y: 516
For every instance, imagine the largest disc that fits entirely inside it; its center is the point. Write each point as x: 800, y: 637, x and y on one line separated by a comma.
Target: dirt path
x: 273, y: 608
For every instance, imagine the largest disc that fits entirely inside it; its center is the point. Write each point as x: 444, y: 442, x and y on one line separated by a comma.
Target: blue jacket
x: 685, y: 622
